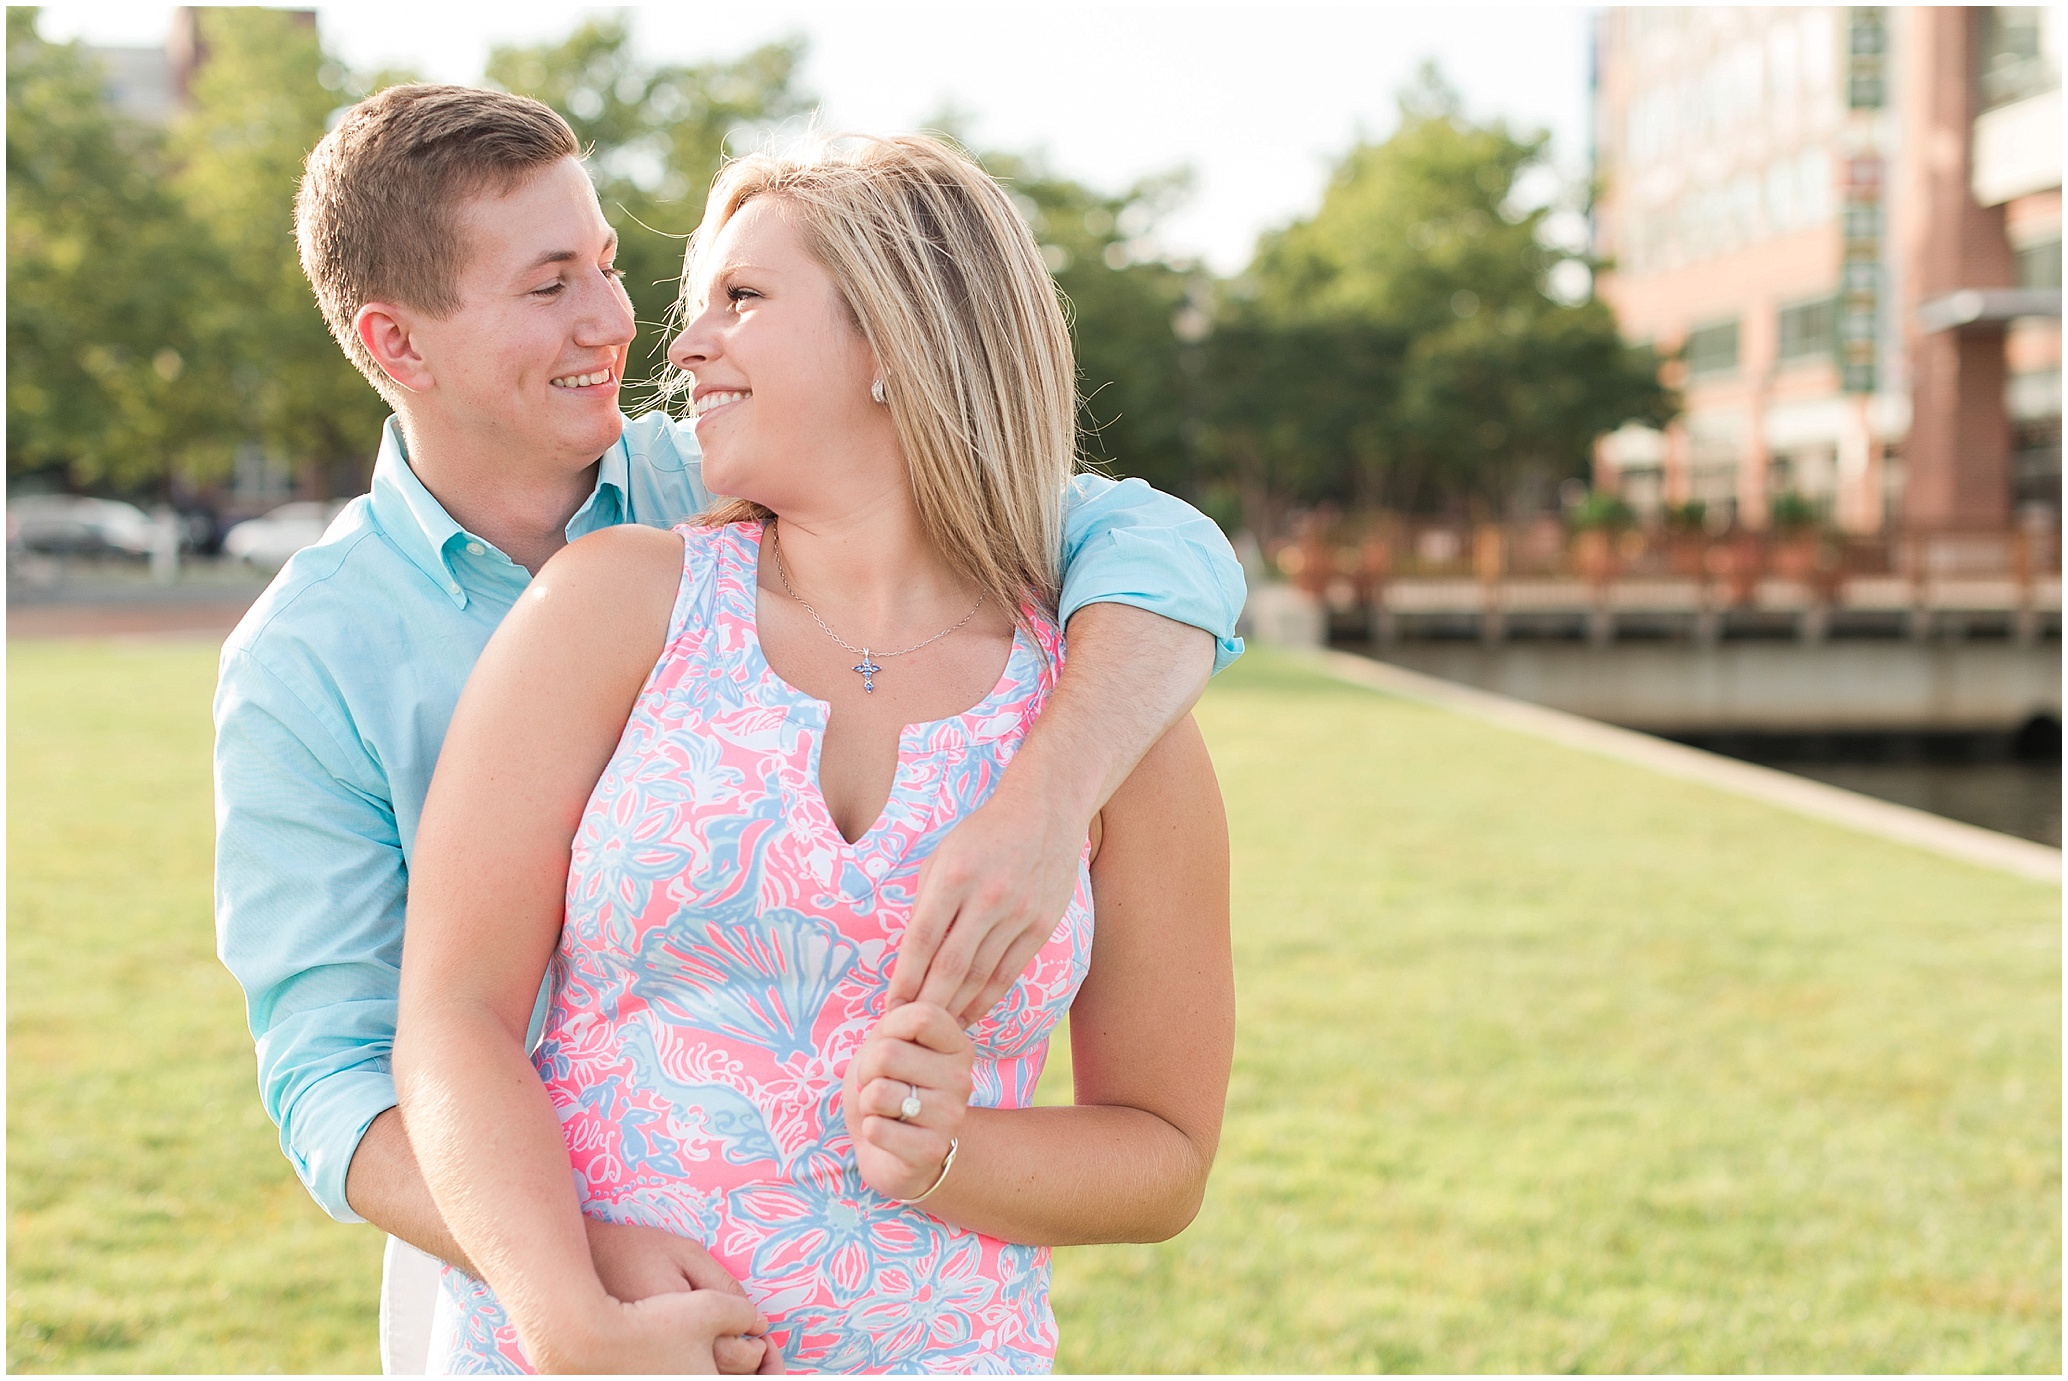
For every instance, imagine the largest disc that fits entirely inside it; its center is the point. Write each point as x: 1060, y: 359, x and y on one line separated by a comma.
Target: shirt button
x: 453, y: 588
x: 475, y: 549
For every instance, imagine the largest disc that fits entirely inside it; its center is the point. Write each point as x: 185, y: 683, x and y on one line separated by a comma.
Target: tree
x: 257, y: 105
x: 1480, y: 381
x: 1295, y: 411
x: 657, y: 136
x: 113, y: 375
x: 1129, y: 308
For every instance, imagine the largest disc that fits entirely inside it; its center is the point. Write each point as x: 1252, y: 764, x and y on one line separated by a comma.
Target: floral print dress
x: 724, y: 955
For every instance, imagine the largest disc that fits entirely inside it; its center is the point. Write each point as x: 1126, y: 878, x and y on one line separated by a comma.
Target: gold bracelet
x: 954, y: 1145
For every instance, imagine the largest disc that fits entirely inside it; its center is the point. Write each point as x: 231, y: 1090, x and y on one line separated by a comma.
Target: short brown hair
x: 375, y: 213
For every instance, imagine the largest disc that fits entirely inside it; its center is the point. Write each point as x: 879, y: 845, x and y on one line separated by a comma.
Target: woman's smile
x: 716, y: 401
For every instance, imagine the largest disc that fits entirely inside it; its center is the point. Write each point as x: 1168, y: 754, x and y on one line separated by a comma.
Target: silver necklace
x: 868, y: 666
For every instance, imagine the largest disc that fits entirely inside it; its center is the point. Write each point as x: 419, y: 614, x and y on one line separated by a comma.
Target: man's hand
x: 994, y: 889
x: 669, y: 1334
x: 989, y: 897
x: 387, y: 1188
x: 636, y: 1263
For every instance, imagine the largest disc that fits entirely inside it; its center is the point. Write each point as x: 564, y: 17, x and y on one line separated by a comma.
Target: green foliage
x: 657, y: 135
x: 114, y: 375
x: 1465, y: 380
x: 1128, y: 305
x: 257, y: 106
x: 1790, y: 511
x: 1687, y: 517
x: 1601, y: 509
x: 1296, y: 409
x: 157, y: 316
x: 1532, y: 1073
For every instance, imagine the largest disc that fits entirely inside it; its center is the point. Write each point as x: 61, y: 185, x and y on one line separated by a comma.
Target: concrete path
x: 194, y: 618
x: 1969, y: 843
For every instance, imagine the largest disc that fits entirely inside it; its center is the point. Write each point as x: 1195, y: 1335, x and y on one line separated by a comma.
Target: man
x: 459, y: 255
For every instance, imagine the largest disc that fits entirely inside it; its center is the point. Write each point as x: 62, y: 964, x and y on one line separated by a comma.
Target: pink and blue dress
x: 724, y: 955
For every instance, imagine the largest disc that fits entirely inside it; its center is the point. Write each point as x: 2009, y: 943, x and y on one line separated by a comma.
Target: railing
x: 1424, y: 579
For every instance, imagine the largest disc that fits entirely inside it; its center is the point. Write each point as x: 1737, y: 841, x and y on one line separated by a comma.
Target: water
x: 1980, y: 779
x: 2021, y: 798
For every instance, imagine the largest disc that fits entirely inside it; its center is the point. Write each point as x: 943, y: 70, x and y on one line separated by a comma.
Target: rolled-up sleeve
x: 310, y: 886
x: 1126, y: 543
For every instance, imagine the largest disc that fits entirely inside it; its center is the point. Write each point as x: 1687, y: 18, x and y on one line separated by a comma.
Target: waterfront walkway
x: 1548, y: 1061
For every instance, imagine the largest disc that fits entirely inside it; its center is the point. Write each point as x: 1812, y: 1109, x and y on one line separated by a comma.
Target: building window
x: 2013, y: 54
x: 2039, y: 265
x: 1809, y: 330
x: 1712, y: 349
x: 2036, y: 465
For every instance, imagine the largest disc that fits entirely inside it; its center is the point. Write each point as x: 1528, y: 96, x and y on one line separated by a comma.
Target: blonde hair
x: 945, y: 281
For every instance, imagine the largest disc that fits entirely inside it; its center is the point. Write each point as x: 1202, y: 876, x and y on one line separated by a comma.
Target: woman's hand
x: 915, y: 1051
x: 669, y: 1334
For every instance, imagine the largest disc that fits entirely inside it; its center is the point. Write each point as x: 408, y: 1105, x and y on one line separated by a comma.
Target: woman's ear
x: 385, y: 332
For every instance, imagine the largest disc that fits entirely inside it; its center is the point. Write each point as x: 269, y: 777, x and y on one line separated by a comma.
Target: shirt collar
x: 606, y: 506
x: 414, y: 520
x: 426, y: 533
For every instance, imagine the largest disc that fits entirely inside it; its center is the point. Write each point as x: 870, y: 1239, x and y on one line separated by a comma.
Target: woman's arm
x: 1152, y: 1035
x: 538, y: 721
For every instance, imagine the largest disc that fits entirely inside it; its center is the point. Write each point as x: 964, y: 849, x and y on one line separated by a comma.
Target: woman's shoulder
x: 619, y: 577
x: 602, y: 604
x: 611, y: 556
x: 631, y: 550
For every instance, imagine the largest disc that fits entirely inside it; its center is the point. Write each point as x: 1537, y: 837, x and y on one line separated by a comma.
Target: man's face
x: 533, y: 358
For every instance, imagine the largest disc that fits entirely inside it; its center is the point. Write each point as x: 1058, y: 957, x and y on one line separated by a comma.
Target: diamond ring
x: 909, y: 1109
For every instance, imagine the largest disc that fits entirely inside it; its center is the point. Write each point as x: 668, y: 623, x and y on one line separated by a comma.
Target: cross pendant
x: 868, y: 669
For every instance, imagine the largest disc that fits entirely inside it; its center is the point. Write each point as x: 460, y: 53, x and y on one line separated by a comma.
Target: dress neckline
x: 741, y: 550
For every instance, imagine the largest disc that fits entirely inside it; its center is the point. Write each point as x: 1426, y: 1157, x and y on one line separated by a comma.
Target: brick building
x: 1844, y: 225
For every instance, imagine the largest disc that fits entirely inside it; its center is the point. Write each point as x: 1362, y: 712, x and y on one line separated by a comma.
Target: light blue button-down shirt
x: 334, y: 697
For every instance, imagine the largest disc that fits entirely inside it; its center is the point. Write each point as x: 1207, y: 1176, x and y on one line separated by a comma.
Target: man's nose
x: 609, y: 320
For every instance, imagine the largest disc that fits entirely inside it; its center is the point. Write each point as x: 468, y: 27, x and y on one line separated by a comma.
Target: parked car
x: 73, y: 525
x: 267, y: 542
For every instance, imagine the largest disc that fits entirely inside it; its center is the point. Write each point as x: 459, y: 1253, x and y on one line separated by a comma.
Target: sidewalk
x: 49, y: 599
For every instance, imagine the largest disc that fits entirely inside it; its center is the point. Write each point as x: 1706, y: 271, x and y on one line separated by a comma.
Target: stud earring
x: 876, y: 390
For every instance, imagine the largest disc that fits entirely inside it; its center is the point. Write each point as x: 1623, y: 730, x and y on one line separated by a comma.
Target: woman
x: 722, y: 755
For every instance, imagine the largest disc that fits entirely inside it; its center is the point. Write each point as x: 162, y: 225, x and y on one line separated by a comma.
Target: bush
x: 1686, y: 517
x: 1792, y: 512
x: 1600, y: 510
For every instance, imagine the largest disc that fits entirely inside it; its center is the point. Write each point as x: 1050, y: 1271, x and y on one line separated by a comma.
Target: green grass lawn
x: 1546, y: 1064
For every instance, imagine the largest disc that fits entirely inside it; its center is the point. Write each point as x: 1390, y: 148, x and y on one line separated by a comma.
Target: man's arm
x: 310, y: 883
x: 1151, y: 593
x: 310, y: 887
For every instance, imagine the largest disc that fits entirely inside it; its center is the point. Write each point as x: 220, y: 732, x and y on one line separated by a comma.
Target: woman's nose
x: 696, y: 344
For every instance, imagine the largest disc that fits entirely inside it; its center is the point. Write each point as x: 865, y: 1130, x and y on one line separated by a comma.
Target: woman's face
x: 782, y: 406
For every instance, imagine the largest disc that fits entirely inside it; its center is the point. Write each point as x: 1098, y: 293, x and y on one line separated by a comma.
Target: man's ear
x: 386, y: 332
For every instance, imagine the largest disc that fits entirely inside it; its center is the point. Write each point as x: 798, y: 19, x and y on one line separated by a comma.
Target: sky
x: 1258, y: 100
